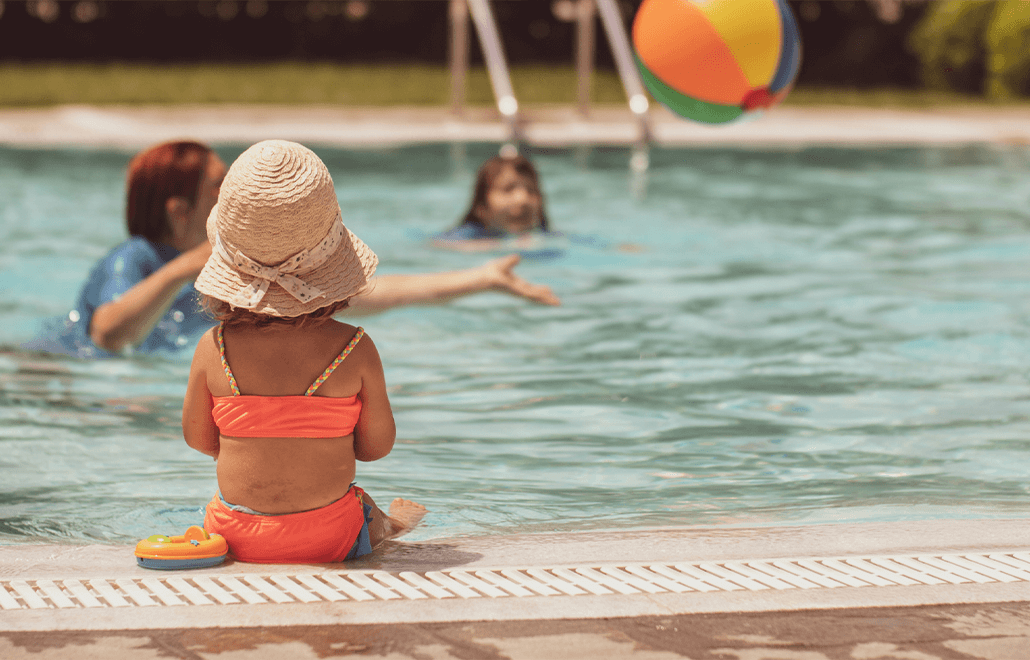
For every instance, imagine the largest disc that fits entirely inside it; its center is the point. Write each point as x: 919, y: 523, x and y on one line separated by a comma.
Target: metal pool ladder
x: 497, y: 65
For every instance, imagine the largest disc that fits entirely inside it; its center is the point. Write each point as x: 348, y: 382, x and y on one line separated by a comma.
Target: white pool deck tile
x: 586, y: 575
x: 135, y: 127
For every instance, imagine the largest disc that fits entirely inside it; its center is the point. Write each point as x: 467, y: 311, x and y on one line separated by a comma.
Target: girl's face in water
x: 513, y: 204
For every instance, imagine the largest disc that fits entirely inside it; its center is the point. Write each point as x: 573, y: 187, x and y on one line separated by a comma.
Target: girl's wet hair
x: 171, y: 169
x: 223, y: 312
x: 488, y: 173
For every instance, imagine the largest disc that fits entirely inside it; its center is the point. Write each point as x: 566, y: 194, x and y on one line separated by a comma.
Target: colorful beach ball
x: 715, y: 61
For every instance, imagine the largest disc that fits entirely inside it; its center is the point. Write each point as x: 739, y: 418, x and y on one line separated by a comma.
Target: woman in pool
x: 140, y: 295
x: 506, y: 203
x: 284, y: 397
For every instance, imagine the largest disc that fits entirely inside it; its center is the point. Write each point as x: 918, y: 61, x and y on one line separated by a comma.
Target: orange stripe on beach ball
x: 676, y: 41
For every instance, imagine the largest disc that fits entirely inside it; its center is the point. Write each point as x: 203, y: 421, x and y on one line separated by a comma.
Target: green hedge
x: 289, y: 83
x: 1008, y: 48
x: 975, y: 46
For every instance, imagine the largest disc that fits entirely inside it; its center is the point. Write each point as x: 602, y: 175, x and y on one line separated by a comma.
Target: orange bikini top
x: 306, y: 416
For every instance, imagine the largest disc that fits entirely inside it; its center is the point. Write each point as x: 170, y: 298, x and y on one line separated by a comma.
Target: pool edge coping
x: 586, y: 548
x: 550, y: 126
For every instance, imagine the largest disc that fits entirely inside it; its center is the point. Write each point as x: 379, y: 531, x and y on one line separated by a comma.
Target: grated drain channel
x: 749, y: 575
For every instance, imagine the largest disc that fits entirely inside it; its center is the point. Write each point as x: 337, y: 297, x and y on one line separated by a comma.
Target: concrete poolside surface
x: 135, y: 127
x: 966, y: 632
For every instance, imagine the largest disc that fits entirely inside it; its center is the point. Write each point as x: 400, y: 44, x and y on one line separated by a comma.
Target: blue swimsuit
x: 124, y: 267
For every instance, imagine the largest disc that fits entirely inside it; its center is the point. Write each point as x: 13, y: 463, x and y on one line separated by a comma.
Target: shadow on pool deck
x: 977, y: 609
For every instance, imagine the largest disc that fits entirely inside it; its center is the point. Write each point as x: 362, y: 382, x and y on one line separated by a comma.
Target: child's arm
x: 390, y: 291
x: 198, y: 425
x: 375, y: 431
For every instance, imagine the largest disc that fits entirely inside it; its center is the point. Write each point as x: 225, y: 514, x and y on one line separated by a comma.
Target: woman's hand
x: 499, y: 275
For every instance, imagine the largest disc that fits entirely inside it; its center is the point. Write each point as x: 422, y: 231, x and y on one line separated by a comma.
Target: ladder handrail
x: 458, y: 55
x: 628, y: 73
x: 497, y: 66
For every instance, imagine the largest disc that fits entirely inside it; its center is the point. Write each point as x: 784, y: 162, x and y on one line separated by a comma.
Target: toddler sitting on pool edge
x: 285, y: 428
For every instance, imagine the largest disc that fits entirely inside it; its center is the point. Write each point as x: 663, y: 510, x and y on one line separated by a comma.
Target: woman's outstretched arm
x: 389, y: 291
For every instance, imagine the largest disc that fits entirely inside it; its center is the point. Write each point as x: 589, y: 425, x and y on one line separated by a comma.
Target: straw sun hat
x: 279, y: 245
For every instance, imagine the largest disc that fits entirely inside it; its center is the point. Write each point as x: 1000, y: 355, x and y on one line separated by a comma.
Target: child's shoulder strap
x: 225, y: 364
x: 332, y: 367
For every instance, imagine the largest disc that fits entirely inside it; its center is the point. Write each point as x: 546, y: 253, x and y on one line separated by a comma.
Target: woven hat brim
x: 345, y: 273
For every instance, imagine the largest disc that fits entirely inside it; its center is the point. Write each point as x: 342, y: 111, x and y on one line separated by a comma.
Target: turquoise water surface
x: 747, y: 337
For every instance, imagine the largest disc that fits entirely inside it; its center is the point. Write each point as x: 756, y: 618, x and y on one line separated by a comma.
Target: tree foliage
x: 1008, y: 49
x: 975, y: 46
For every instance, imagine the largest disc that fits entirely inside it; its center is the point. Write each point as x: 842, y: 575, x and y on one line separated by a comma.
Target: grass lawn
x: 288, y: 83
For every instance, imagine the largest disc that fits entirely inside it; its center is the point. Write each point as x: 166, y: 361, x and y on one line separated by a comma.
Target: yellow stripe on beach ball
x: 753, y: 32
x: 714, y: 61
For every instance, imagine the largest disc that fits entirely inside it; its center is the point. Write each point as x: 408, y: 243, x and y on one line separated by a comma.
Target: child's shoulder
x: 210, y: 336
x: 342, y: 327
x: 342, y: 332
x: 207, y: 349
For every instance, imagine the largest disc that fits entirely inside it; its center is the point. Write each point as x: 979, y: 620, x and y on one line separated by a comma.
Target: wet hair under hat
x: 223, y: 312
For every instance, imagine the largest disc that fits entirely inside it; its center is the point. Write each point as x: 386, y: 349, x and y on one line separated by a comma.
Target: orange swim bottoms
x: 318, y: 536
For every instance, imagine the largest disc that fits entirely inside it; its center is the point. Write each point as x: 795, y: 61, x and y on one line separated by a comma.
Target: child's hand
x: 501, y: 278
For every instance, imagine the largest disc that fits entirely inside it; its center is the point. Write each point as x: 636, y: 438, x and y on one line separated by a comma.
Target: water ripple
x: 804, y: 336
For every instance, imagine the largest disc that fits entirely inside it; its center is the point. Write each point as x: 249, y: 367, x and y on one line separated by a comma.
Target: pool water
x: 747, y: 337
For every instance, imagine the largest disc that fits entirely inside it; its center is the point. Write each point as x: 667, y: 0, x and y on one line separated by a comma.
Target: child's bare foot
x: 404, y: 514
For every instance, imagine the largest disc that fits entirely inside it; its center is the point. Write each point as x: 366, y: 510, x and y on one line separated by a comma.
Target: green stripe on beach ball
x: 685, y: 106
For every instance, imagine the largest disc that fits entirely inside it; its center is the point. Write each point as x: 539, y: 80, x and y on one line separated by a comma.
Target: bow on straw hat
x: 279, y: 243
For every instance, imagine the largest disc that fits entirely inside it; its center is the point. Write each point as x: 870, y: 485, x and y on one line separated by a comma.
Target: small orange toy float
x: 194, y: 549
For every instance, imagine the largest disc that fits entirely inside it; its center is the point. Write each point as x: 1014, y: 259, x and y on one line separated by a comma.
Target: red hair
x: 171, y: 169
